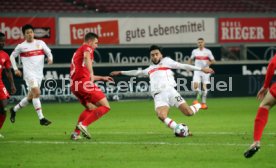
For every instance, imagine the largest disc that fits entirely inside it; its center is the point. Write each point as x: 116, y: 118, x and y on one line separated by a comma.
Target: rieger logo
x: 247, y: 30
x: 236, y: 31
x: 107, y: 31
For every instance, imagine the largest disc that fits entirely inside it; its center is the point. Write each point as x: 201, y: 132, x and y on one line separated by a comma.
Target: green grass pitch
x: 130, y: 135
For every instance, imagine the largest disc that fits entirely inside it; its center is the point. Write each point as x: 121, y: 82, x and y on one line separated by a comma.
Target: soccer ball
x: 181, y: 130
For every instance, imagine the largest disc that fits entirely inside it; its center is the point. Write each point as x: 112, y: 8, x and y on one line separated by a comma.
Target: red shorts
x: 272, y: 90
x: 4, y: 94
x: 85, y: 92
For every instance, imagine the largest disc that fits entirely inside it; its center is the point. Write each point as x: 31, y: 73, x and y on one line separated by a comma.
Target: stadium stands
x: 136, y: 6
x: 165, y: 6
x: 41, y: 6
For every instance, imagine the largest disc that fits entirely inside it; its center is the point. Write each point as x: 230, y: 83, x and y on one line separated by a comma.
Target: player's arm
x: 129, y: 73
x: 88, y: 64
x: 10, y: 79
x: 213, y: 61
x: 103, y: 78
x: 268, y: 77
x: 194, y: 68
x: 176, y: 65
x: 15, y: 54
x: 48, y: 52
x: 211, y: 58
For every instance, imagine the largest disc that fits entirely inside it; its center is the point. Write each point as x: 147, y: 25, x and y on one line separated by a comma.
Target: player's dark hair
x: 2, y: 35
x: 90, y: 36
x: 200, y: 38
x: 26, y: 27
x: 155, y: 47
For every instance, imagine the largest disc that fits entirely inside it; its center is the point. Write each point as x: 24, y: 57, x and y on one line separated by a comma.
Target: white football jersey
x: 202, y: 57
x: 32, y: 57
x: 161, y: 76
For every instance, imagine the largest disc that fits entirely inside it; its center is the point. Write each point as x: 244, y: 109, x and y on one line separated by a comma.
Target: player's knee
x: 90, y: 106
x: 107, y: 106
x: 36, y: 95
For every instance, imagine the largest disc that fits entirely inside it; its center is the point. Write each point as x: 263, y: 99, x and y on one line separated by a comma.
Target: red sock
x: 95, y: 115
x: 2, y: 119
x: 82, y: 116
x: 260, y: 122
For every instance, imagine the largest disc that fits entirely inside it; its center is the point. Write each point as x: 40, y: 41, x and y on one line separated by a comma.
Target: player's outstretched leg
x: 92, y: 117
x: 252, y: 150
x: 24, y: 102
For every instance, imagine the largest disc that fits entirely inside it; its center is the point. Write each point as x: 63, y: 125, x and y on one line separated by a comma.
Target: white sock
x: 170, y: 123
x: 204, y: 96
x: 24, y: 102
x: 37, y: 106
x: 195, y: 107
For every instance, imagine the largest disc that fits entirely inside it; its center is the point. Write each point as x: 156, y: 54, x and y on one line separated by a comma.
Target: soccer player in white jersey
x: 202, y: 57
x: 162, y: 85
x: 31, y: 52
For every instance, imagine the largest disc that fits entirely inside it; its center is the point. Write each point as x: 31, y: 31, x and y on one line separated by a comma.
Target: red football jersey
x: 78, y: 69
x: 5, y: 62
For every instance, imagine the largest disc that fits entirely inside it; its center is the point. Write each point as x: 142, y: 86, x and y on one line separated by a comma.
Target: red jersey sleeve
x: 270, y: 72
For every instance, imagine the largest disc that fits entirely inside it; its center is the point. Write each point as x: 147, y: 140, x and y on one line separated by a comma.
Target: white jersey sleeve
x: 15, y: 54
x: 138, y: 72
x: 176, y: 65
x: 47, y: 50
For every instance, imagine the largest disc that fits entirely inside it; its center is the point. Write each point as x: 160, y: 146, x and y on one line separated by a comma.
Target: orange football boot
x: 204, y: 106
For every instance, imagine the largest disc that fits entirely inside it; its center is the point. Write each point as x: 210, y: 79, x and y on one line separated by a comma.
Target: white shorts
x: 169, y: 97
x: 201, y: 77
x: 32, y: 83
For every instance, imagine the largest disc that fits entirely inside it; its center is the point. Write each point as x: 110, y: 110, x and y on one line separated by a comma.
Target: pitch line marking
x: 146, y: 133
x: 125, y: 143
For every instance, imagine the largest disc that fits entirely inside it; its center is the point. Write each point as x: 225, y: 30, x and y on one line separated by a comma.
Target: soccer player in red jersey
x: 83, y: 87
x: 5, y: 63
x: 268, y: 96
